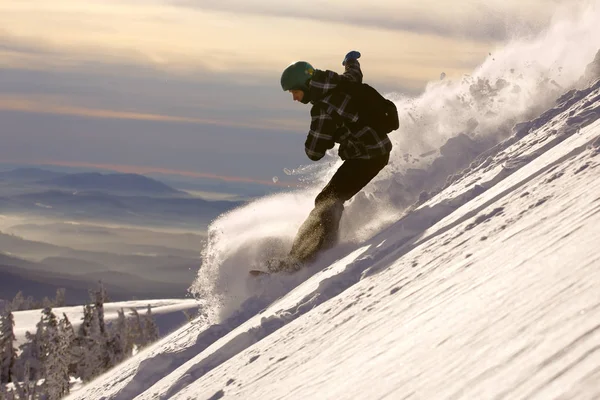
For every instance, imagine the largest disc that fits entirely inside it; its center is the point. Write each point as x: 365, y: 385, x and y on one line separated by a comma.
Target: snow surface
x: 489, y: 288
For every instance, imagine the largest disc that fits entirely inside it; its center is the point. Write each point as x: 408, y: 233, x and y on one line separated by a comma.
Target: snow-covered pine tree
x: 86, y: 324
x: 33, y: 351
x: 50, y: 353
x: 136, y: 330
x: 60, y: 299
x: 99, y: 297
x: 18, y: 302
x: 119, y: 347
x: 105, y: 342
x: 27, y: 356
x: 36, y: 353
x: 150, y: 327
x: 49, y: 330
x: 57, y: 361
x: 91, y: 345
x: 27, y: 389
x: 8, y: 353
x: 122, y: 328
x: 70, y: 336
x: 78, y: 349
x: 47, y: 303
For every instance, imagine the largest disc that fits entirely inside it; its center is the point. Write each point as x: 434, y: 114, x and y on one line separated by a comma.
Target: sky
x: 192, y: 87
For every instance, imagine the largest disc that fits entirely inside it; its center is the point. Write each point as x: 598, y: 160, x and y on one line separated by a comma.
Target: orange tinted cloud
x: 49, y: 105
x: 135, y: 169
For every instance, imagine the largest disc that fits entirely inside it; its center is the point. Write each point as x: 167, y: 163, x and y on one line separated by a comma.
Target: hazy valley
x: 142, y: 238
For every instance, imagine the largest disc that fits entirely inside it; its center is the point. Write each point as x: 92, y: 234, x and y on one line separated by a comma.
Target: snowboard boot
x: 319, y: 232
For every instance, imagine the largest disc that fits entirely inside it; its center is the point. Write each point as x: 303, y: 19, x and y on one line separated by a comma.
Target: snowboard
x: 258, y: 272
x: 278, y: 265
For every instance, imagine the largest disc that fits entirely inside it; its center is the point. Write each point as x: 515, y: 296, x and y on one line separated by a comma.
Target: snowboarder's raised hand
x: 353, y: 55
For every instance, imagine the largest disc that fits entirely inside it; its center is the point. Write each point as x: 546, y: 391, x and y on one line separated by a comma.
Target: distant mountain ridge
x: 119, y: 182
x: 127, y: 209
x: 128, y: 199
x: 114, y: 182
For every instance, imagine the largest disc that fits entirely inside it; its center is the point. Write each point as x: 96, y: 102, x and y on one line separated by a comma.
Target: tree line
x: 57, y: 354
x: 22, y: 303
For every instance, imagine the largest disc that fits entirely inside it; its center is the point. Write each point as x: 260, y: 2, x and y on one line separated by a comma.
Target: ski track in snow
x: 489, y: 211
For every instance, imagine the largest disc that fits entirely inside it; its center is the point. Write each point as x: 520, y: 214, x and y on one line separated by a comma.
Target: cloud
x: 37, y: 52
x: 11, y: 44
x: 50, y: 106
x: 132, y: 90
x: 206, y: 37
x: 466, y: 19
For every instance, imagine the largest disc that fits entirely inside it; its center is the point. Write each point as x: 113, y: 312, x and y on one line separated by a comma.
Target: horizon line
x: 142, y: 170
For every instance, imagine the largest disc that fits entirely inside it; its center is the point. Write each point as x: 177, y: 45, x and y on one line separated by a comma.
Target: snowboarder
x: 342, y: 112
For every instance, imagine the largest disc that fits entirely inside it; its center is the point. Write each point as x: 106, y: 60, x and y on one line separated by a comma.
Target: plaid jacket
x: 335, y: 119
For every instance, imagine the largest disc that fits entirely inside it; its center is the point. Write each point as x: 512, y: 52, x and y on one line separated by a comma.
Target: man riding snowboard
x: 341, y: 113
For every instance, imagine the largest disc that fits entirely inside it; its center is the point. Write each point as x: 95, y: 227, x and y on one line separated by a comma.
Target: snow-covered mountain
x: 127, y: 183
x: 488, y: 287
x: 107, y: 182
x: 93, y: 197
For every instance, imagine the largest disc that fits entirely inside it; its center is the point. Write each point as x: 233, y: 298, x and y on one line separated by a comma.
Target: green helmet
x: 296, y: 76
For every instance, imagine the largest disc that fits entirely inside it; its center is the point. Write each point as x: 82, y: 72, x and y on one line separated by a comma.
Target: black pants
x: 350, y: 178
x: 320, y: 230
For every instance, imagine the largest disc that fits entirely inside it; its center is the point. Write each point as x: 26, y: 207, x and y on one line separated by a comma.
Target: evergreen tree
x: 48, y: 349
x: 86, y: 324
x: 90, y: 343
x: 18, y: 302
x: 8, y: 353
x: 57, y: 362
x: 47, y: 303
x: 71, y: 338
x: 37, y: 353
x: 150, y: 327
x: 34, y: 350
x: 99, y: 297
x: 122, y: 328
x: 27, y: 389
x: 135, y: 332
x: 119, y: 347
x: 60, y: 299
x: 31, y: 304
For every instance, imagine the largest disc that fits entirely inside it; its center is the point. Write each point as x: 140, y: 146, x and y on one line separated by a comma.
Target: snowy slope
x: 489, y: 288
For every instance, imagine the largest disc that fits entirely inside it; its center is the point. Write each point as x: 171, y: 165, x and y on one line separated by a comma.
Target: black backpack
x: 374, y: 110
